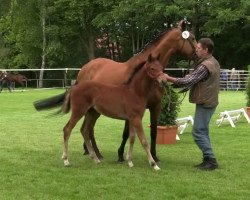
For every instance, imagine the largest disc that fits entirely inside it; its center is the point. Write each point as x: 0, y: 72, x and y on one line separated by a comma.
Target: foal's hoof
x: 156, y: 168
x: 130, y: 164
x: 97, y: 161
x: 66, y: 163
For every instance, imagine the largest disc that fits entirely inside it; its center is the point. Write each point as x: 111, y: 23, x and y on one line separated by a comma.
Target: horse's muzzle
x: 161, y: 79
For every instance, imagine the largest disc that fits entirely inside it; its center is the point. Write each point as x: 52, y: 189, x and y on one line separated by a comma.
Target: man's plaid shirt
x: 201, y: 72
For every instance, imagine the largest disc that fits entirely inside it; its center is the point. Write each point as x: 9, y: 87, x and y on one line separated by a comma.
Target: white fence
x: 233, y: 79
x: 62, y: 77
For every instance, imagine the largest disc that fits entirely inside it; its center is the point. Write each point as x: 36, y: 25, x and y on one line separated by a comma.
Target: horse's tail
x: 51, y: 102
x: 66, y: 103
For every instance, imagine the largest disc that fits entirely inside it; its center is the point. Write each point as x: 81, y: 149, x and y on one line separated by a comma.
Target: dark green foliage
x: 170, y: 106
x: 72, y: 27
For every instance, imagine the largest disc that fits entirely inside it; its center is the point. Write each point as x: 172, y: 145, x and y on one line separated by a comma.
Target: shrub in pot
x: 170, y: 106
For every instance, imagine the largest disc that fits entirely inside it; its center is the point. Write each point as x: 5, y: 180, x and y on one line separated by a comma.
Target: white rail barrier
x: 183, y: 124
x: 232, y: 117
x: 228, y: 81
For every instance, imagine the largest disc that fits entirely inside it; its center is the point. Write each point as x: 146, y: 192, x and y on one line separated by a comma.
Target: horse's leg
x: 9, y: 85
x: 85, y: 131
x: 67, y: 131
x: 125, y: 136
x: 92, y: 116
x: 22, y: 85
x: 1, y: 86
x: 139, y: 130
x: 78, y: 109
x: 154, y: 114
x: 131, y: 145
x: 90, y: 119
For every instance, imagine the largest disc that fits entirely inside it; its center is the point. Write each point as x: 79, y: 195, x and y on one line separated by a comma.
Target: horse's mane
x: 155, y: 39
x: 134, y: 72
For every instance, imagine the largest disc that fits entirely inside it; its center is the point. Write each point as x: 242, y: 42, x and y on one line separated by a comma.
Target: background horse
x: 3, y: 81
x: 127, y: 102
x: 11, y: 79
x: 108, y: 71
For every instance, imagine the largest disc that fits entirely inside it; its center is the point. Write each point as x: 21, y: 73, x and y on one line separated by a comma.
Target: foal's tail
x: 55, y: 101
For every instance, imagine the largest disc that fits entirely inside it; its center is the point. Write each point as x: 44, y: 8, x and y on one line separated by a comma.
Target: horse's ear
x: 182, y: 25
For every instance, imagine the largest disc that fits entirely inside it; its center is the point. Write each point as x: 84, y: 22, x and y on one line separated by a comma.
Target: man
x: 203, y: 83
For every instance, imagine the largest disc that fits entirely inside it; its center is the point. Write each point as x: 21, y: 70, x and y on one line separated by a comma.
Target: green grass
x: 31, y: 166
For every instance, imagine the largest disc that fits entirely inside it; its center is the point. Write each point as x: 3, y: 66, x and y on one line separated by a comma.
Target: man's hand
x: 170, y: 78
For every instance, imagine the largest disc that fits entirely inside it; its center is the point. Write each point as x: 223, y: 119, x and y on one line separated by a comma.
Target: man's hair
x: 207, y: 43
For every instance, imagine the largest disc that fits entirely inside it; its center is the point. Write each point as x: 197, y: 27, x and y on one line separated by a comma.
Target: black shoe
x: 205, y: 159
x: 209, y: 165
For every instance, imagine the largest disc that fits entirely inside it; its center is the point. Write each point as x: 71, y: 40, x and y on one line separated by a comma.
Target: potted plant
x: 170, y: 106
x: 248, y: 94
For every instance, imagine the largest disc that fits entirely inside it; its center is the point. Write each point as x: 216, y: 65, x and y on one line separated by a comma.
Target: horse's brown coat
x: 127, y: 101
x: 12, y: 78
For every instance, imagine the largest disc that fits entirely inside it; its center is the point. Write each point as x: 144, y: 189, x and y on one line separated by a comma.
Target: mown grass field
x: 31, y: 166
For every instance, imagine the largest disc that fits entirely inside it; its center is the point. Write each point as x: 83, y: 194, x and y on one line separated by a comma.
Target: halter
x: 192, y: 46
x: 189, y: 63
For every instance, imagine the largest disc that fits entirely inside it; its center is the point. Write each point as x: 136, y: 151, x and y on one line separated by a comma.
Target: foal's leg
x: 131, y: 145
x: 90, y: 118
x: 67, y: 131
x: 88, y: 128
x: 78, y: 110
x: 85, y: 130
x: 139, y: 130
x: 125, y: 136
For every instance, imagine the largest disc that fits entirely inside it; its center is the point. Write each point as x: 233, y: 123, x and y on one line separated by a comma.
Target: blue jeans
x: 201, y: 129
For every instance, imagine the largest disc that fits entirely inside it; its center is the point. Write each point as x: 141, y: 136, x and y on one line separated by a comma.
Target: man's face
x: 200, y: 52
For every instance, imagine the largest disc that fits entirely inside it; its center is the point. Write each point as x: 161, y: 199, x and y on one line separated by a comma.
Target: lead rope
x: 167, y: 90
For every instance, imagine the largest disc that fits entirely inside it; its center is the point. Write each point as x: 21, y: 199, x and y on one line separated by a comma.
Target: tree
x: 63, y: 33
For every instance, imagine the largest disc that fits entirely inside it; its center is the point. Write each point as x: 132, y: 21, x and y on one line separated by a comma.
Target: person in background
x: 204, y: 84
x: 224, y: 80
x: 234, y: 76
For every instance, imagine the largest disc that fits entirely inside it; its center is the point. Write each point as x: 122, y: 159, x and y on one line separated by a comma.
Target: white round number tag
x: 185, y: 34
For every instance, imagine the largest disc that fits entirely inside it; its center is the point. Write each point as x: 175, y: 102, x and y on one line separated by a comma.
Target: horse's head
x: 186, y: 40
x: 3, y: 74
x: 153, y: 66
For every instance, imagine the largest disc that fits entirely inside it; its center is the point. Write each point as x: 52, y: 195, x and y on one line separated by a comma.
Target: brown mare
x: 108, y: 71
x: 10, y: 79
